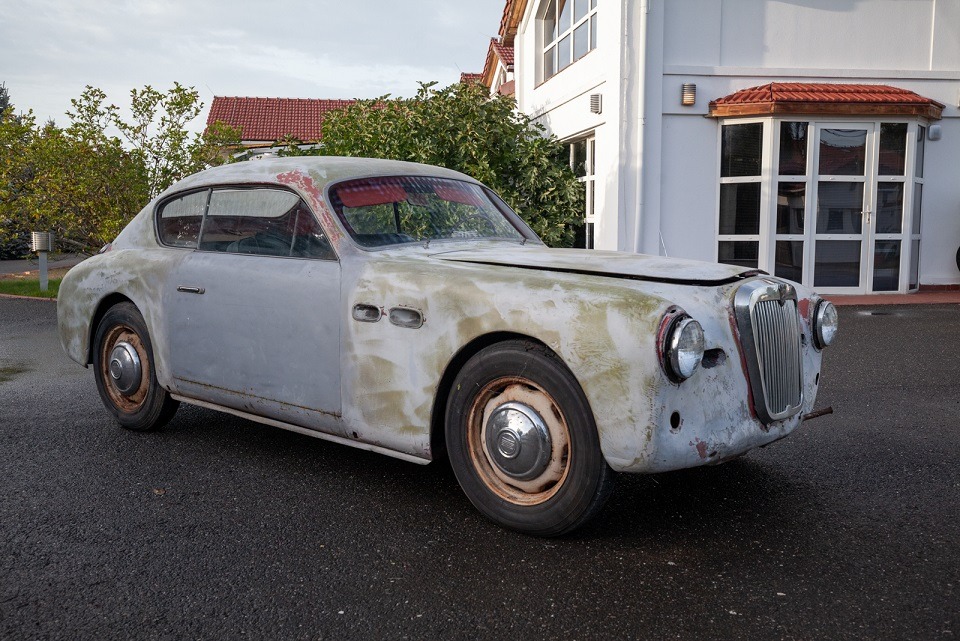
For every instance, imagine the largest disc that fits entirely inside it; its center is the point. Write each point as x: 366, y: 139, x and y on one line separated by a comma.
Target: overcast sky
x: 51, y: 49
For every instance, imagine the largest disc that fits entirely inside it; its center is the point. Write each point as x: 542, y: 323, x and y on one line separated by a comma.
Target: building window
x: 834, y: 204
x: 568, y: 32
x: 741, y: 162
x: 583, y: 163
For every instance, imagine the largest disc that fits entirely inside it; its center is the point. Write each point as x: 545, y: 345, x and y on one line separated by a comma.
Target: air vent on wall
x: 596, y: 103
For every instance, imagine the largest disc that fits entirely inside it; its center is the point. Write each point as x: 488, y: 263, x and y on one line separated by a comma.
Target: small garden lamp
x: 42, y: 242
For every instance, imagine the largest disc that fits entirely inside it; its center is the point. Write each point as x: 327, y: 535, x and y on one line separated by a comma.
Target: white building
x: 852, y: 187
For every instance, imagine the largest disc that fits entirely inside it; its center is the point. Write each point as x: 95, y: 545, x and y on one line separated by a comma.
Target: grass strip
x: 25, y: 287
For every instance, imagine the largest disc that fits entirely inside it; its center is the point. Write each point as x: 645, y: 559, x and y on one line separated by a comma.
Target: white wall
x: 814, y: 34
x: 724, y: 46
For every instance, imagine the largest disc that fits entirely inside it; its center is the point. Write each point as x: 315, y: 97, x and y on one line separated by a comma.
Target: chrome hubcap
x: 125, y: 368
x: 518, y: 441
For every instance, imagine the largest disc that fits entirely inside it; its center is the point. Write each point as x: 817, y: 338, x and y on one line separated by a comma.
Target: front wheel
x: 123, y: 368
x: 523, y: 443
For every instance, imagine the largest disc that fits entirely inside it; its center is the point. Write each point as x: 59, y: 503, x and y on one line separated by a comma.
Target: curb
x: 18, y: 297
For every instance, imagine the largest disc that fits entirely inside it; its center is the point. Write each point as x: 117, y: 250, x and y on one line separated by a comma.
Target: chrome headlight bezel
x: 683, y: 348
x: 826, y: 322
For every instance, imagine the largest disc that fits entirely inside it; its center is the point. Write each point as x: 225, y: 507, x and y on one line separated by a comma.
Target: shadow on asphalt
x: 741, y: 494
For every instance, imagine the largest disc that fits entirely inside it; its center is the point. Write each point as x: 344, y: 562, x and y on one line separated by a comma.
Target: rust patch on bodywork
x: 306, y: 186
x: 701, y: 447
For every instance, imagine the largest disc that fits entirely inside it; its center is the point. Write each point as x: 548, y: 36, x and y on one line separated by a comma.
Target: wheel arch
x: 103, y: 306
x: 468, y: 351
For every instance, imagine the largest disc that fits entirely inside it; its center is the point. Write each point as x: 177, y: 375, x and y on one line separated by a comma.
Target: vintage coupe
x: 405, y: 309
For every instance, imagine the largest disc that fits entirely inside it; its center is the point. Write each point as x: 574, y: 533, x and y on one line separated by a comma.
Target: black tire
x: 576, y: 481
x: 141, y: 405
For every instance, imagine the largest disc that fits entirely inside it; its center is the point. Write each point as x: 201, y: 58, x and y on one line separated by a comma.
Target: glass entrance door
x: 843, y: 159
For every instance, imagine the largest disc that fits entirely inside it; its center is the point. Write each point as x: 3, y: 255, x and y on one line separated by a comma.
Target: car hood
x: 602, y: 263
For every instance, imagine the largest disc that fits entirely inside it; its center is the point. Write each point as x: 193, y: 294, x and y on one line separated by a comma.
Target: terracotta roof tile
x: 804, y: 97
x: 504, y: 51
x: 470, y: 77
x: 496, y: 50
x: 270, y: 119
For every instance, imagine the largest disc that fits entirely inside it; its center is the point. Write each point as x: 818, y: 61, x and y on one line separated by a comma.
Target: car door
x: 253, y: 312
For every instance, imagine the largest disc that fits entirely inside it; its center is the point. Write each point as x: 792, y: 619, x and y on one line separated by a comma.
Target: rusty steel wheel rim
x: 132, y: 400
x: 537, y: 410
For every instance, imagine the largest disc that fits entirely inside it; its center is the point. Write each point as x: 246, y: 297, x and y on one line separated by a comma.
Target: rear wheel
x: 123, y: 368
x: 522, y: 441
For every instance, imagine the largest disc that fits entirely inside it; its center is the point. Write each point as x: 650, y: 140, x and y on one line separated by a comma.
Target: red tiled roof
x: 270, y: 119
x: 803, y: 97
x: 470, y: 77
x: 497, y: 49
x: 504, y: 51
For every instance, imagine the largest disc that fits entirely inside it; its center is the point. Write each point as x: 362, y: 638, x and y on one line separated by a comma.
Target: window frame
x: 236, y: 187
x: 771, y: 178
x: 547, y: 42
x: 526, y: 232
x: 763, y: 179
x: 589, y: 181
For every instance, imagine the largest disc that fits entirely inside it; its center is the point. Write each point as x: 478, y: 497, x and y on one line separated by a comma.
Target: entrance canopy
x: 804, y: 98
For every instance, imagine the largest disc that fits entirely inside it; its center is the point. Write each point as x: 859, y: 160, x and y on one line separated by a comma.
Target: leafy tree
x: 157, y: 134
x: 82, y: 182
x: 16, y: 175
x: 4, y: 100
x: 461, y: 127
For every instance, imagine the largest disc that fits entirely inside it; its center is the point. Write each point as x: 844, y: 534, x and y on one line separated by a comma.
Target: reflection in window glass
x: 837, y: 263
x: 921, y: 140
x: 261, y: 203
x: 889, y: 208
x: 563, y: 54
x: 915, y: 264
x: 550, y: 22
x: 793, y: 149
x: 569, y: 32
x: 390, y: 211
x: 886, y: 266
x: 563, y: 10
x: 917, y: 207
x: 843, y: 152
x: 740, y: 150
x: 740, y: 208
x: 579, y: 9
x: 180, y: 219
x: 264, y: 222
x: 739, y: 252
x: 839, y: 208
x: 581, y: 42
x: 893, y: 149
x: 791, y: 202
x: 788, y: 260
x: 579, y: 157
x: 549, y: 62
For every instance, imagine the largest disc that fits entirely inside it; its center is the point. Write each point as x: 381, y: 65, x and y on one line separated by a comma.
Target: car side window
x: 265, y: 222
x: 180, y: 219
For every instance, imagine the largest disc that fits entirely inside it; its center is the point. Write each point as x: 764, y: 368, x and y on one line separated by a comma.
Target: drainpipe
x: 643, y: 37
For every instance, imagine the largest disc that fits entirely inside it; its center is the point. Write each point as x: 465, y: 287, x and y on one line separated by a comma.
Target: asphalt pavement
x: 219, y: 528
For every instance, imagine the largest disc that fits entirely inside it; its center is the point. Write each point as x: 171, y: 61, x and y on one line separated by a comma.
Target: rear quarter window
x: 179, y: 219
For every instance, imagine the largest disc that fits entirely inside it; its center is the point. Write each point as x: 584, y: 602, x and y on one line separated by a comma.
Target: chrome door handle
x: 190, y: 290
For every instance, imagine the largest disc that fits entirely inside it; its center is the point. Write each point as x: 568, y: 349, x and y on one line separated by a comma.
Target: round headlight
x: 825, y: 323
x: 685, y: 348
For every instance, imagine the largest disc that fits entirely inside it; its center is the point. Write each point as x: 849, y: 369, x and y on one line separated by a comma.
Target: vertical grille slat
x: 770, y: 333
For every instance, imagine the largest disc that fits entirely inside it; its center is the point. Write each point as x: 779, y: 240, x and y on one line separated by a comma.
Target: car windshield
x: 404, y: 209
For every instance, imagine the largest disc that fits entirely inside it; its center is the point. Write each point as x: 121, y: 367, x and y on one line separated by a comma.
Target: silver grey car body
x: 291, y: 342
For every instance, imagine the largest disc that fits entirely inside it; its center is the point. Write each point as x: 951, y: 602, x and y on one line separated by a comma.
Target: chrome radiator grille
x: 770, y: 337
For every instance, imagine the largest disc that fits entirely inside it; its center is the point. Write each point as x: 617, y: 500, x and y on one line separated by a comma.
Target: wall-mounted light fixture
x: 688, y: 94
x: 934, y: 132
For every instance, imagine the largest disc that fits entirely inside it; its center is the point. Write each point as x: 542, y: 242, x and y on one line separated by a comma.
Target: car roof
x: 322, y: 170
